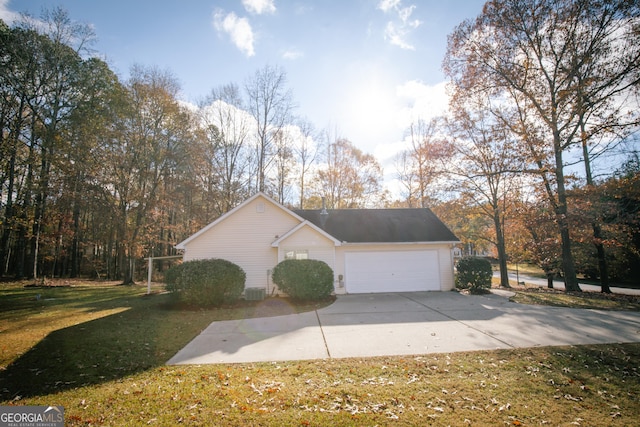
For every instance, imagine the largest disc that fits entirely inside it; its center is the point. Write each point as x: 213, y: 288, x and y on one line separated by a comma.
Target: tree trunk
x: 75, y: 242
x: 602, y: 259
x: 502, y: 252
x: 8, y: 211
x: 550, y: 280
x: 597, y: 230
x: 8, y: 215
x: 129, y: 270
x: 568, y: 265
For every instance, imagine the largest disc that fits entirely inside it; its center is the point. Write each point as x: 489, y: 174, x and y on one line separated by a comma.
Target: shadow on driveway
x: 367, y: 325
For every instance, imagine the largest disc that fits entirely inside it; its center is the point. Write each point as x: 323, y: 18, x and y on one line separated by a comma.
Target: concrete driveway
x: 366, y: 325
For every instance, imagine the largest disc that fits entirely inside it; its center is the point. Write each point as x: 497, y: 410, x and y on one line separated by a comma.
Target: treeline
x: 97, y: 173
x: 91, y: 167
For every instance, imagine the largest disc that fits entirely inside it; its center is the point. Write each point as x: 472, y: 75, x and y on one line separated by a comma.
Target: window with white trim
x: 296, y: 254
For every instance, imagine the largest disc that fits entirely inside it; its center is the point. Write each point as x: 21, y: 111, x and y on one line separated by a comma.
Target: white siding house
x: 369, y: 250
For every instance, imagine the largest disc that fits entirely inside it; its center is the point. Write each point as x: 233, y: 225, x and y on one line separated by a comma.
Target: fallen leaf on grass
x: 505, y: 407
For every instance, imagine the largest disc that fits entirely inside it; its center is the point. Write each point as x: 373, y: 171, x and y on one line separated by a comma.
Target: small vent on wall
x: 260, y: 208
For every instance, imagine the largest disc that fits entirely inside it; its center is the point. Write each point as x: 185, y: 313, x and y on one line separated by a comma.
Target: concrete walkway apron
x: 366, y: 325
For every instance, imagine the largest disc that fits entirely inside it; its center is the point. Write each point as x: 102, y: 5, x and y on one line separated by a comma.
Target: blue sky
x: 365, y: 68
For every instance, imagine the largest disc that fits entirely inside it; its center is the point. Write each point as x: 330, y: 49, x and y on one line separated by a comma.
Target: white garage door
x: 405, y: 271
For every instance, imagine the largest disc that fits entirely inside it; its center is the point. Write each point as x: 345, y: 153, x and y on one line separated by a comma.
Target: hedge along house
x: 369, y: 250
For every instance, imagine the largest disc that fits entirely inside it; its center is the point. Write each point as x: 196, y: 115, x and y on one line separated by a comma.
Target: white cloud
x: 423, y: 101
x: 396, y: 36
x: 8, y: 16
x: 292, y: 54
x: 387, y: 5
x: 405, y: 16
x: 259, y: 6
x: 397, y: 30
x: 238, y: 29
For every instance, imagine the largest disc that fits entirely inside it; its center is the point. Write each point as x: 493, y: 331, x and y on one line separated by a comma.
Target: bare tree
x: 227, y: 129
x: 270, y: 103
x: 420, y: 166
x: 284, y: 162
x: 306, y: 151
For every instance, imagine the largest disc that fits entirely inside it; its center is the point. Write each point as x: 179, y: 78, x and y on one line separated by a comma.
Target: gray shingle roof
x: 380, y: 225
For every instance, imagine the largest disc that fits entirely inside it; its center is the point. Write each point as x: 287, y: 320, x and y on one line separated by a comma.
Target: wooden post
x: 150, y: 268
x: 149, y: 276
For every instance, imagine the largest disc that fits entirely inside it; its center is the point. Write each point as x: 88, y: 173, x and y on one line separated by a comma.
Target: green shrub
x: 474, y: 274
x: 172, y: 276
x: 305, y: 279
x: 205, y: 283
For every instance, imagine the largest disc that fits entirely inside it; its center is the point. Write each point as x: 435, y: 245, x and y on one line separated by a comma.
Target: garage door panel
x: 399, y: 271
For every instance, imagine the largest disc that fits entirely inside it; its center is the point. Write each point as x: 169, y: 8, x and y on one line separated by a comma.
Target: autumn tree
x: 530, y: 54
x: 606, y: 85
x: 152, y: 129
x: 484, y: 165
x: 468, y: 222
x: 611, y: 203
x: 19, y: 48
x: 42, y: 85
x: 542, y: 247
x: 90, y: 124
x: 349, y: 178
x: 624, y: 188
x: 59, y: 77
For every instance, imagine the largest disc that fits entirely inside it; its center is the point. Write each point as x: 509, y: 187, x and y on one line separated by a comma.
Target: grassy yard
x: 537, y: 272
x: 594, y: 300
x: 99, y: 350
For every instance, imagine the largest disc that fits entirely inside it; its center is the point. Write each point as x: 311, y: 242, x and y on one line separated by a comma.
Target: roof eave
x: 438, y: 242
x: 314, y: 227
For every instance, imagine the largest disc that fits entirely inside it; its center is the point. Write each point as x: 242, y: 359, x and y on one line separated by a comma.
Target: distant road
x: 559, y: 284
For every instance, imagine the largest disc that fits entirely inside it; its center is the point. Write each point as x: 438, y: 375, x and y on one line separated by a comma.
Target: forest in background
x: 97, y: 173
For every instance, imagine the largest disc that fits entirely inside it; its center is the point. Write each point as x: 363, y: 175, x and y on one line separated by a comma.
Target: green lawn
x: 99, y: 350
x: 537, y: 272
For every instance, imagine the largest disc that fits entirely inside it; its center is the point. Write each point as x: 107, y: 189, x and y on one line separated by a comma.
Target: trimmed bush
x: 172, y: 276
x: 304, y: 279
x: 205, y: 283
x: 474, y: 274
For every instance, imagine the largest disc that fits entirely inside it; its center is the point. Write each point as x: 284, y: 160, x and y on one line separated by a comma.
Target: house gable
x: 244, y: 236
x: 308, y: 241
x: 259, y: 200
x: 306, y: 233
